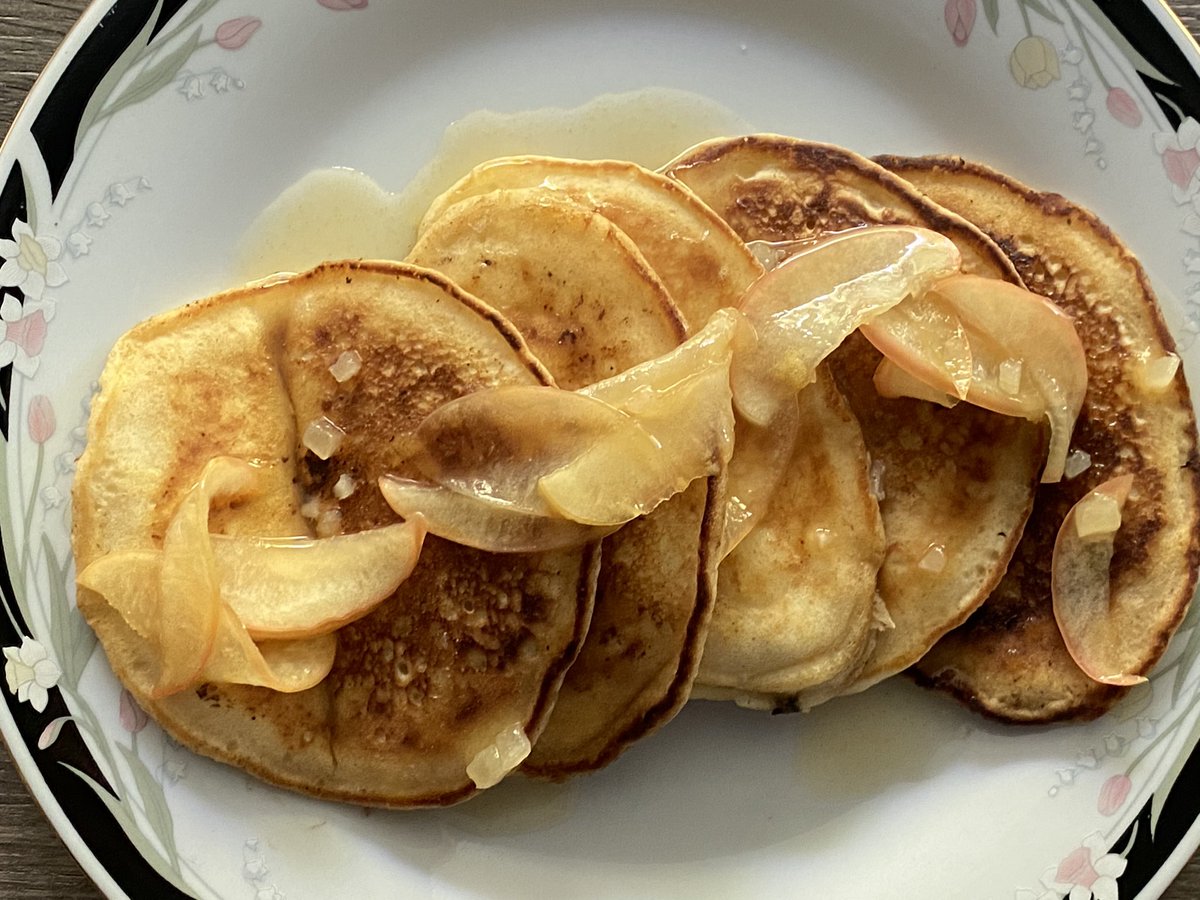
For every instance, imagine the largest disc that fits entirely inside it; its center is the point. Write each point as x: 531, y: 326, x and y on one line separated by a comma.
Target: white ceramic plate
x: 161, y: 130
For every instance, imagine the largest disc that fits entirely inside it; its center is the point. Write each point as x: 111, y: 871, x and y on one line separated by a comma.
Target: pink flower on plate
x: 343, y: 4
x: 41, y: 419
x: 133, y: 717
x: 960, y: 19
x: 1123, y: 108
x: 1113, y: 794
x: 1181, y: 158
x: 232, y: 35
x: 23, y: 332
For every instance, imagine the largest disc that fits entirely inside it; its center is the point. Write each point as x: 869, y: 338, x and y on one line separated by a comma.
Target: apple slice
x: 760, y: 460
x: 497, y: 444
x: 806, y: 306
x: 286, y: 588
x: 683, y: 401
x: 600, y: 456
x: 466, y: 520
x: 892, y: 381
x: 927, y: 340
x: 189, y: 608
x: 1027, y: 360
x: 1081, y: 587
x: 281, y: 665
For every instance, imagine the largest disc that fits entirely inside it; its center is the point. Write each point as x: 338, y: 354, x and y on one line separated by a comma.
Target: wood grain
x: 33, y: 862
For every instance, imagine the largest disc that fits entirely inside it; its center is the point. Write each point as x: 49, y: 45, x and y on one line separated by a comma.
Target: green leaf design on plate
x: 1159, y: 798
x: 154, y: 801
x: 72, y: 639
x: 1185, y: 663
x: 1127, y: 49
x: 1040, y: 8
x: 95, y: 105
x: 991, y: 9
x: 125, y: 818
x: 155, y: 77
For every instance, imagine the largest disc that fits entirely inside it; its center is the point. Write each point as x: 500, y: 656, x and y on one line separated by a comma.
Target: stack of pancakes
x: 903, y: 535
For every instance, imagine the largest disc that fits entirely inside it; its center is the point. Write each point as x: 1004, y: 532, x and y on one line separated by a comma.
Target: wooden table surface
x: 33, y: 862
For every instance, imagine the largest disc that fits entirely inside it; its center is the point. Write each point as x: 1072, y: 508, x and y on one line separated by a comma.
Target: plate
x: 127, y: 185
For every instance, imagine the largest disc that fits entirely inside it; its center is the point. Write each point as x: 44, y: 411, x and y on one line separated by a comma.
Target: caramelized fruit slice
x: 305, y: 587
x: 760, y: 459
x: 683, y: 401
x: 1081, y: 587
x: 600, y: 456
x: 806, y: 306
x: 497, y: 444
x: 1027, y: 360
x: 189, y: 607
x: 892, y: 381
x: 463, y: 519
x: 927, y: 340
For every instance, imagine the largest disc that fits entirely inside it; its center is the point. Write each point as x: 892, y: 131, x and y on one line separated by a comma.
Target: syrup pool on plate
x: 341, y: 213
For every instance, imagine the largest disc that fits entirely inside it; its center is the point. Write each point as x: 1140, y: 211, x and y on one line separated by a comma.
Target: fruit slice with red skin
x: 1007, y: 323
x: 926, y: 339
x: 1081, y: 588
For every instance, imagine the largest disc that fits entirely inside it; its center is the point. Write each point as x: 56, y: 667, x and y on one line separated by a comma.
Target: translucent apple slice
x: 683, y: 401
x: 1081, y: 587
x: 128, y: 581
x: 927, y: 340
x: 466, y: 520
x: 189, y: 608
x: 1027, y: 359
x: 497, y: 444
x: 287, y: 588
x: 281, y: 665
x: 600, y: 456
x: 806, y: 306
x: 892, y: 381
x: 760, y: 460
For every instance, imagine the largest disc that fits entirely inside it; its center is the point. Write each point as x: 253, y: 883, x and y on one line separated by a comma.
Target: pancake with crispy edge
x: 703, y: 264
x: 590, y: 306
x: 472, y: 644
x: 1009, y: 660
x: 962, y: 478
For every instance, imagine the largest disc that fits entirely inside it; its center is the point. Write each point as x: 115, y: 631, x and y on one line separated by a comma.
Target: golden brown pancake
x: 796, y: 599
x: 577, y: 288
x: 704, y: 265
x: 470, y: 645
x: 959, y: 479
x: 1009, y: 660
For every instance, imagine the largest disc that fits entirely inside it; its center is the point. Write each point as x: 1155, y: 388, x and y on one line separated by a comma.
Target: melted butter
x: 344, y: 214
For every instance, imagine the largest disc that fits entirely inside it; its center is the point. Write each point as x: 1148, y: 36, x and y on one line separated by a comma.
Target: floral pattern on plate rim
x: 1063, y: 39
